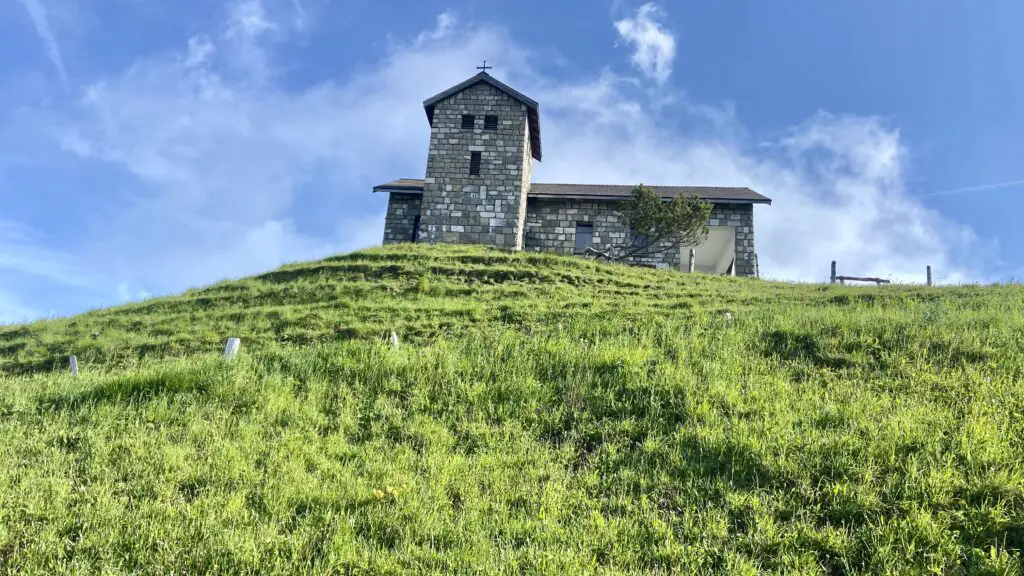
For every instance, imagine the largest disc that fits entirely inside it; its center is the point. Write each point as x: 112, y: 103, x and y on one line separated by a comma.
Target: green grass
x: 542, y: 415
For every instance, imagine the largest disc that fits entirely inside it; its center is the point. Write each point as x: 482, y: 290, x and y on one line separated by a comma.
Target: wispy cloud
x: 253, y: 28
x: 445, y: 23
x: 23, y: 253
x: 12, y: 311
x: 977, y: 188
x: 654, y: 47
x: 232, y: 173
x: 26, y: 261
x: 40, y: 19
x: 248, y: 19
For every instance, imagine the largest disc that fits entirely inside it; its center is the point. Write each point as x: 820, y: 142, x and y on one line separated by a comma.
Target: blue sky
x: 147, y: 147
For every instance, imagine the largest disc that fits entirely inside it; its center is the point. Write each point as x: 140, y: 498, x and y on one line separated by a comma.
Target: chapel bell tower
x: 483, y: 137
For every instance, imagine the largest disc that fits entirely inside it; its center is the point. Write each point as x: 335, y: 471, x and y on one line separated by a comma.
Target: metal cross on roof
x: 485, y: 67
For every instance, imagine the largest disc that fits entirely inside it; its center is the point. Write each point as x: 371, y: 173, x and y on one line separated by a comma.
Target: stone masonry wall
x: 741, y: 217
x: 482, y: 209
x: 402, y: 212
x: 551, y: 227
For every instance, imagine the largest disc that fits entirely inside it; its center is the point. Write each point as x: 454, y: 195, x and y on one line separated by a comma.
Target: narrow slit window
x: 474, y: 164
x: 415, y: 229
x: 490, y: 122
x: 467, y: 121
x: 584, y: 236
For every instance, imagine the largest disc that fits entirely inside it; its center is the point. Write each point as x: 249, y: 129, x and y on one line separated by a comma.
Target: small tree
x: 660, y: 225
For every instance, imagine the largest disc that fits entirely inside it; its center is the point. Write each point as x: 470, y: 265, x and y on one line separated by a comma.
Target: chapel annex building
x: 483, y: 138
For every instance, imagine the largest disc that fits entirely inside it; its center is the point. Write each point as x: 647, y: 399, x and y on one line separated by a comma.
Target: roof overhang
x: 543, y: 191
x: 532, y: 107
x: 398, y: 189
x: 619, y: 197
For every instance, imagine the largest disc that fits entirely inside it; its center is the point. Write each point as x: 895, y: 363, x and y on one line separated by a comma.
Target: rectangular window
x: 474, y: 164
x: 490, y: 122
x: 639, y: 240
x: 584, y: 236
x: 467, y: 121
x: 415, y: 229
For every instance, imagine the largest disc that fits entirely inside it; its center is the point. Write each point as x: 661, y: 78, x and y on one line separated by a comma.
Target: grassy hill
x: 541, y: 415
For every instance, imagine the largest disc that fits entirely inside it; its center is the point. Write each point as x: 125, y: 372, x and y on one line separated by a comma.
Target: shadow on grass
x: 790, y: 345
x: 30, y: 366
x: 135, y: 390
x: 956, y: 355
x: 726, y: 464
x: 341, y: 270
x: 8, y: 334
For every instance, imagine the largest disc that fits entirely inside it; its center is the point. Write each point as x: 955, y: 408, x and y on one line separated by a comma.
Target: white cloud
x: 229, y: 166
x: 200, y: 50
x: 251, y: 31
x: 654, y: 48
x: 221, y: 160
x: 127, y: 292
x: 248, y: 20
x: 445, y: 24
x: 837, y: 182
x: 40, y: 19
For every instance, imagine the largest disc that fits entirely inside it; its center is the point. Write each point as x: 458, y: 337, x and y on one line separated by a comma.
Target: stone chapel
x: 484, y: 137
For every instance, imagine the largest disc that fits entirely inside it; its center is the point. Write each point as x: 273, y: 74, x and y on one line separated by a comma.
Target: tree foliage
x: 659, y: 225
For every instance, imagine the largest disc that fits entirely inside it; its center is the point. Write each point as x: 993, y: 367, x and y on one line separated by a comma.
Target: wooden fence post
x: 832, y: 280
x: 929, y: 274
x: 693, y: 255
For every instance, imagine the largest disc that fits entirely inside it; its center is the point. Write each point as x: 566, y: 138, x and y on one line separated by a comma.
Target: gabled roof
x: 719, y: 194
x: 532, y: 108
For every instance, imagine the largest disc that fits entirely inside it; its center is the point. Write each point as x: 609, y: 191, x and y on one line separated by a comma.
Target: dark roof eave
x: 412, y: 189
x: 621, y: 197
x: 533, y: 117
x: 399, y: 189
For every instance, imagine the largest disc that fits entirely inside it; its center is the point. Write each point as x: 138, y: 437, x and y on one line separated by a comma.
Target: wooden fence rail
x: 878, y: 281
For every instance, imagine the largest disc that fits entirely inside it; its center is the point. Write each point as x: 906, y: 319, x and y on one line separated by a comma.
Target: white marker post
x: 693, y: 256
x: 231, y: 349
x: 74, y: 365
x: 394, y: 340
